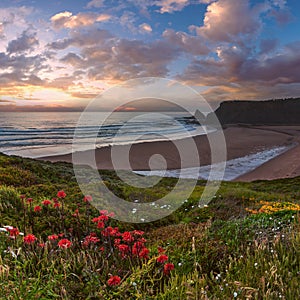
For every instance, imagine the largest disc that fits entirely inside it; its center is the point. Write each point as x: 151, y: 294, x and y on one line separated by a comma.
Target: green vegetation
x: 244, y: 245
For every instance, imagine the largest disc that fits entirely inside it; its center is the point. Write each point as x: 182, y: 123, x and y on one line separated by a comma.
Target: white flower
x: 256, y: 264
x: 235, y: 294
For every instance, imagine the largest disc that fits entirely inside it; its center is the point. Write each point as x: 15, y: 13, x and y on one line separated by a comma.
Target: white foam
x: 234, y: 168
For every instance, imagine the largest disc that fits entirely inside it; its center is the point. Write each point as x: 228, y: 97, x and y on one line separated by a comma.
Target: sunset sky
x: 58, y: 55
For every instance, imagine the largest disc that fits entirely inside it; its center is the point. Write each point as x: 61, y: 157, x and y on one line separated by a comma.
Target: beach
x: 240, y: 142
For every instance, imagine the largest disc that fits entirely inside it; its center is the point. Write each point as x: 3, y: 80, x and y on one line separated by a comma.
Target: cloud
x: 95, y: 3
x: 170, y: 6
x: 239, y: 72
x: 227, y: 20
x: 145, y: 28
x: 185, y: 42
x: 268, y: 45
x: 88, y: 37
x: 25, y: 42
x: 68, y: 20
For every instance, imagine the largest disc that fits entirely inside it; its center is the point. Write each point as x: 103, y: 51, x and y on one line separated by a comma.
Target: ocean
x: 37, y: 134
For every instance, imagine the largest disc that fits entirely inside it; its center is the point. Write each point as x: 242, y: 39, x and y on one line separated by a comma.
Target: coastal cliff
x: 269, y: 112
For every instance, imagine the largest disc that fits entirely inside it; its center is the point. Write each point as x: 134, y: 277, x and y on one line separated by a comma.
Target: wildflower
x: 103, y: 212
x: 103, y: 218
x: 167, y: 268
x: 61, y: 194
x: 235, y: 294
x: 144, y: 253
x: 52, y: 237
x: 137, y: 247
x: 114, y: 280
x: 29, y: 200
x: 41, y: 245
x: 161, y: 250
x: 29, y: 239
x: 123, y: 248
x: 117, y: 242
x: 76, y: 213
x: 127, y: 237
x: 13, y: 232
x: 22, y: 197
x: 138, y: 232
x: 162, y: 258
x: 87, y: 199
x: 64, y: 243
x: 100, y: 225
x: 56, y: 205
x: 37, y: 208
x: 46, y: 202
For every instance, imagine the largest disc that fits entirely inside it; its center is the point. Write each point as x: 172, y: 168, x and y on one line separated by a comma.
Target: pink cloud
x: 68, y: 20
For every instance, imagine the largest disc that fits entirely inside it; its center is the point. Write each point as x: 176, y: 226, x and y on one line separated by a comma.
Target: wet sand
x: 240, y: 141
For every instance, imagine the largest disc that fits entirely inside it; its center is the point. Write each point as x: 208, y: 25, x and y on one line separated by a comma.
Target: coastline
x: 240, y: 141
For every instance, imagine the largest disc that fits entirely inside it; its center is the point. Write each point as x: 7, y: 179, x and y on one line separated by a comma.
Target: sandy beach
x: 240, y: 141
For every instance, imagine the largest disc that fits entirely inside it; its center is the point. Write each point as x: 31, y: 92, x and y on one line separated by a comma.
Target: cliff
x: 270, y: 112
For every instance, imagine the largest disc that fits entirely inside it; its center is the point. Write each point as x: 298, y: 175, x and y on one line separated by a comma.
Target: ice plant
x: 29, y: 238
x: 64, y: 243
x: 114, y: 280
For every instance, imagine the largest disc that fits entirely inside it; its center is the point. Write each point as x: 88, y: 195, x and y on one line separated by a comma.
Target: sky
x: 59, y: 55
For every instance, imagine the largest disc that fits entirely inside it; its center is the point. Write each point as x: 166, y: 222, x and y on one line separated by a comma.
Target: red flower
x: 167, y: 268
x: 29, y: 200
x: 37, y: 208
x: 103, y: 218
x: 114, y: 280
x: 42, y: 245
x: 76, y: 213
x: 64, y: 243
x: 52, y: 237
x: 138, y: 232
x: 137, y: 247
x: 22, y: 197
x: 56, y: 204
x: 103, y: 212
x: 161, y: 250
x: 144, y: 253
x: 13, y: 232
x: 100, y: 225
x: 123, y: 248
x: 117, y: 242
x: 127, y: 237
x: 29, y: 239
x: 61, y: 194
x: 162, y: 258
x: 87, y: 198
x: 46, y: 202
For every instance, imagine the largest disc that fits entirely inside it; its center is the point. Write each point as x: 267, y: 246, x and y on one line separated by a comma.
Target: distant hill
x: 269, y: 112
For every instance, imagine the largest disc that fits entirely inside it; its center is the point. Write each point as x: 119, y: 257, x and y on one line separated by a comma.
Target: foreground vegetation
x: 55, y: 245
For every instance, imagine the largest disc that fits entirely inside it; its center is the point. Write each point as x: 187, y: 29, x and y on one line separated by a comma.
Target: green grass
x: 220, y: 252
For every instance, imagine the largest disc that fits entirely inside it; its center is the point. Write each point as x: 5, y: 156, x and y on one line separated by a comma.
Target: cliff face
x: 271, y: 112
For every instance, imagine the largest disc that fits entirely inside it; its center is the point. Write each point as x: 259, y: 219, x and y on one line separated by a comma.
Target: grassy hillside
x: 244, y: 245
